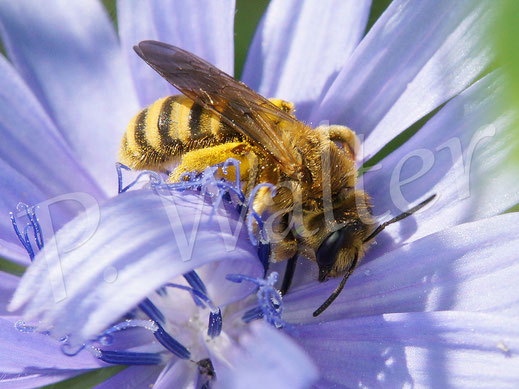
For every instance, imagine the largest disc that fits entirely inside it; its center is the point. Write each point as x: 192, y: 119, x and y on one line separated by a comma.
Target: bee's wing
x: 239, y: 106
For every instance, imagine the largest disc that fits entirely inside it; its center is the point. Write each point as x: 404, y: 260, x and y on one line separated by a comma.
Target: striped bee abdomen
x: 167, y: 129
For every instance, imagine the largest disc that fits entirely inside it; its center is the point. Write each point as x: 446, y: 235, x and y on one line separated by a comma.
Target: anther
x: 152, y: 311
x: 215, y: 317
x: 128, y: 357
x: 38, y: 237
x: 171, y: 343
x: 263, y: 255
x: 215, y: 323
x: 196, y: 283
x: 269, y: 299
x: 161, y: 335
x: 24, y: 239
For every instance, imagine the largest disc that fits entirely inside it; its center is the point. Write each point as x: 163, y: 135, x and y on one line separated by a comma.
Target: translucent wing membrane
x: 239, y: 106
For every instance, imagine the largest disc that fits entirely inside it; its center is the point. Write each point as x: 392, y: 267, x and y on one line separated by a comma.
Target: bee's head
x: 336, y: 245
x: 338, y: 250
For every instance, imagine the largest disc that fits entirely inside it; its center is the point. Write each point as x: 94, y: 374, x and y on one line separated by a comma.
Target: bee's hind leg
x: 199, y: 160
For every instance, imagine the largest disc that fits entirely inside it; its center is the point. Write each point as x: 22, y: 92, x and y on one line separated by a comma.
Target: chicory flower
x: 434, y: 301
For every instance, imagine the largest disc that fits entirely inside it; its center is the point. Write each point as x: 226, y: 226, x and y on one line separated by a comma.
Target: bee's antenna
x: 337, y: 290
x: 398, y: 218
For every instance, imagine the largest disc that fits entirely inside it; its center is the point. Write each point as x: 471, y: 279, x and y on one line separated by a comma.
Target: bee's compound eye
x: 327, y: 252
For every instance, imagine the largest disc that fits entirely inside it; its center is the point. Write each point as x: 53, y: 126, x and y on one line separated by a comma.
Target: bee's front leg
x: 283, y: 250
x: 284, y: 243
x: 345, y: 137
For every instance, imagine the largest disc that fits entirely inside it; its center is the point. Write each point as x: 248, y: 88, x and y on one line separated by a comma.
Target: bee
x: 218, y: 117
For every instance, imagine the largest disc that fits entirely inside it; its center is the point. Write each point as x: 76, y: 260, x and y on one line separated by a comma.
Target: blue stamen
x: 161, y: 335
x: 269, y: 298
x: 24, y: 239
x: 197, y: 296
x: 196, y: 283
x: 263, y: 255
x: 34, y: 224
x: 252, y: 314
x: 21, y: 326
x: 200, y: 298
x: 152, y: 311
x: 238, y: 278
x: 171, y: 344
x: 71, y: 353
x: 215, y: 323
x: 201, y: 181
x: 28, y: 247
x: 154, y: 177
x: 119, y: 168
x: 215, y: 317
x: 26, y: 234
x: 106, y: 338
x: 128, y: 357
x: 236, y: 164
x: 162, y: 291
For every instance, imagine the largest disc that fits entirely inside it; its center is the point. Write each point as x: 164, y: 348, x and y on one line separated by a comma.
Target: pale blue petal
x: 417, y: 56
x: 453, y: 155
x: 263, y: 358
x: 205, y: 29
x: 8, y: 284
x: 69, y: 55
x: 34, y: 380
x: 473, y: 267
x: 34, y: 354
x: 177, y: 374
x: 133, y: 377
x: 36, y: 165
x: 13, y: 251
x: 300, y: 47
x: 421, y: 350
x: 145, y: 240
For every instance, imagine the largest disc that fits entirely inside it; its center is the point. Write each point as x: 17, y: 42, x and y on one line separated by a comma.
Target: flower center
x: 153, y: 314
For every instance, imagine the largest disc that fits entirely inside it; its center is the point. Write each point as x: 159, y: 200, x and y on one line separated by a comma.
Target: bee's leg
x: 286, y: 106
x: 345, y: 137
x: 284, y: 249
x: 289, y: 275
x: 199, y: 160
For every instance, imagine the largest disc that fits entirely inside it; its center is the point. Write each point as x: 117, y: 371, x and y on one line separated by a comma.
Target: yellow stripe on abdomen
x: 210, y: 123
x: 180, y: 113
x: 152, y: 123
x: 132, y: 139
